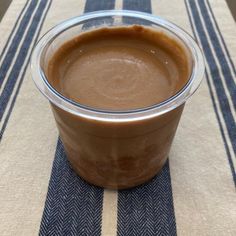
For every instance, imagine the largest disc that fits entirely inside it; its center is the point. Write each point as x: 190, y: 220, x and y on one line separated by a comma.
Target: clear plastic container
x: 108, y: 148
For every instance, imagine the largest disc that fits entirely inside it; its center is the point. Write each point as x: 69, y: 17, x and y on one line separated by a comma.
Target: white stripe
x: 109, y: 213
x: 217, y: 60
x: 18, y: 49
x: 14, y: 32
x: 24, y: 65
x: 220, y: 40
x: 228, y: 141
x: 118, y: 4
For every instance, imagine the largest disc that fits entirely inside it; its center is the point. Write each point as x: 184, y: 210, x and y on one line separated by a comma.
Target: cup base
x: 116, y: 186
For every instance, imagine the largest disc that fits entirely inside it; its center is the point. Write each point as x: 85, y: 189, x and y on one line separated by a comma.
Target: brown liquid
x: 119, y: 68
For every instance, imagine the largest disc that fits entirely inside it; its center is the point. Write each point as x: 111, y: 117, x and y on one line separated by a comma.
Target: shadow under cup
x: 115, y: 149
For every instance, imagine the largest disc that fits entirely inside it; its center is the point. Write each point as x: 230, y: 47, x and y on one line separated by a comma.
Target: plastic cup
x: 107, y: 148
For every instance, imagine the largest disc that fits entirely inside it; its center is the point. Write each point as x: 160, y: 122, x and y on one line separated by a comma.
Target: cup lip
x: 77, y: 109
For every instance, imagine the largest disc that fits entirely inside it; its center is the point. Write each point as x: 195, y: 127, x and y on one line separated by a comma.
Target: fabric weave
x: 194, y: 194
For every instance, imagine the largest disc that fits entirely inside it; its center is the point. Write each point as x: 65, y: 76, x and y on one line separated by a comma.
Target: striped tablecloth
x: 195, y: 192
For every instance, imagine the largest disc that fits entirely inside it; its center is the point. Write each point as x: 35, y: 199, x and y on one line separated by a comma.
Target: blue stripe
x: 136, y: 5
x: 222, y: 132
x: 222, y: 39
x: 21, y: 78
x: 16, y: 41
x: 17, y: 67
x: 219, y: 52
x: 222, y: 97
x: 214, y: 105
x: 92, y: 5
x: 13, y: 30
x: 73, y: 207
x: 147, y: 209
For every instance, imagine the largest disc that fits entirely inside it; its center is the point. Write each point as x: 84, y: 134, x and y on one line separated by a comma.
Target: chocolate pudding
x: 118, y: 69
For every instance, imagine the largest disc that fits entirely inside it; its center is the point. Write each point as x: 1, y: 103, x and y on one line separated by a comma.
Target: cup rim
x: 77, y: 109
